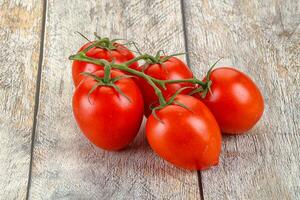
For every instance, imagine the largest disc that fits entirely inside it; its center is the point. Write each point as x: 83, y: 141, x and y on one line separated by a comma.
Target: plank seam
x: 200, y: 184
x: 182, y: 6
x: 37, y: 95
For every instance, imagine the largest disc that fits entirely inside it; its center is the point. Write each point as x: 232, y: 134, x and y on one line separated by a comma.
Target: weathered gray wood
x: 261, y: 38
x: 20, y: 26
x: 65, y: 164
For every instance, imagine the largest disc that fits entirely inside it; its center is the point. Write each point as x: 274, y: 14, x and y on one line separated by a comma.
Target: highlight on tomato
x: 109, y: 114
x: 185, y: 133
x: 235, y: 100
x: 105, y: 49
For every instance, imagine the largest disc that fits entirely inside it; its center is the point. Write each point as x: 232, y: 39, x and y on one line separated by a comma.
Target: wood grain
x: 261, y: 38
x: 65, y: 164
x: 20, y: 26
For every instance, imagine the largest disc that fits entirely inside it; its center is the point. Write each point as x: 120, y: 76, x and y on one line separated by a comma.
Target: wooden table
x: 43, y: 155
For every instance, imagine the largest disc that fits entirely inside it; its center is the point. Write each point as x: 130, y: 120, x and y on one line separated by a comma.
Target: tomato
x: 119, y: 55
x: 171, y: 69
x: 107, y: 118
x: 188, y: 138
x: 236, y: 102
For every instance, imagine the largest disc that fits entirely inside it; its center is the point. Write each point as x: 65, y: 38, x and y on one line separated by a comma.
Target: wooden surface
x: 260, y: 38
x: 20, y: 28
x: 65, y: 164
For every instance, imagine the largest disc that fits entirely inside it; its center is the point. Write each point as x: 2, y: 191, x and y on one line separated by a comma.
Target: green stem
x: 106, y: 78
x: 149, y: 79
x: 152, y: 59
x: 193, y: 80
x: 81, y: 56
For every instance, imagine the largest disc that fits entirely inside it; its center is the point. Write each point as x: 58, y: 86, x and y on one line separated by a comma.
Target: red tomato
x: 236, y: 102
x: 171, y: 69
x: 107, y: 118
x: 119, y: 55
x: 190, y: 139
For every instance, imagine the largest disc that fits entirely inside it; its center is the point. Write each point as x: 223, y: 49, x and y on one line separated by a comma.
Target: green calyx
x: 160, y: 57
x: 206, y: 87
x: 106, y: 81
x: 103, y: 43
x: 171, y: 100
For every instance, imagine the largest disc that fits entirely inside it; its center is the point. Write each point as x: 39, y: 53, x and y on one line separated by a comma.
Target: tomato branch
x: 81, y: 56
x: 149, y: 79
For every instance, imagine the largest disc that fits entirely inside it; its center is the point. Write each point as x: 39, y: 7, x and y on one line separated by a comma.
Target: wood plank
x: 261, y: 38
x: 20, y: 27
x: 65, y: 164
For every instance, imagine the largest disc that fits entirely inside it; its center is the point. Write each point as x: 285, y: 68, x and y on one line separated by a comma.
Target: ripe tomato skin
x: 190, y: 139
x: 106, y: 117
x: 236, y: 101
x: 119, y: 55
x: 171, y: 69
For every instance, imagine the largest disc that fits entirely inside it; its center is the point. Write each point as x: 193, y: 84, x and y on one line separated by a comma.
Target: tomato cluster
x: 185, y: 115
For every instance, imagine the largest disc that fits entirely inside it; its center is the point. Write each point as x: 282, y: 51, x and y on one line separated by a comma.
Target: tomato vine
x: 154, y: 82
